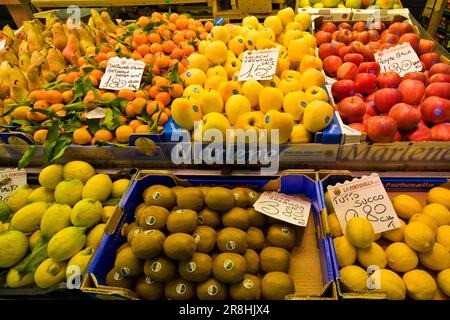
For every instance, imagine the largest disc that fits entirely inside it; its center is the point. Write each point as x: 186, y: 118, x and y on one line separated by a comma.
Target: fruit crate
x: 416, y: 187
x: 311, y: 264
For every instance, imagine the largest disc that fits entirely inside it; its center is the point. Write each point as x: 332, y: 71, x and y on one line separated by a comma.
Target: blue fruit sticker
x: 250, y: 42
x: 438, y: 112
x: 327, y: 119
x: 195, y: 107
x: 267, y: 119
x: 235, y: 91
x: 240, y: 40
x: 303, y: 104
x: 188, y: 74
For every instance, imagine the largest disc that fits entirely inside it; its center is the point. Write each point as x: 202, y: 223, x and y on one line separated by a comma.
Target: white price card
x: 291, y: 209
x: 364, y: 198
x: 401, y: 59
x: 2, y: 44
x: 97, y: 113
x: 11, y: 180
x: 122, y: 73
x: 259, y: 64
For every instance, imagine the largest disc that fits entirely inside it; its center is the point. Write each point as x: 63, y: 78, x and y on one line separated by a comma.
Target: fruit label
x: 156, y: 195
x: 197, y: 237
x: 2, y: 44
x: 191, y: 266
x: 125, y: 271
x: 228, y: 264
x: 181, y: 288
x: 148, y: 280
x: 401, y: 59
x: 118, y: 276
x: 201, y: 220
x: 150, y: 220
x: 97, y: 113
x: 122, y: 73
x: 156, y: 266
x: 230, y: 245
x: 213, y: 290
x: 11, y: 180
x: 291, y: 209
x: 259, y: 64
x: 365, y: 198
x: 248, y: 284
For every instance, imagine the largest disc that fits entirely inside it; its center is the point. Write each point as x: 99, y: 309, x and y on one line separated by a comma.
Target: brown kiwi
x: 159, y: 195
x: 249, y: 288
x: 205, y: 237
x: 276, y: 285
x: 275, y: 259
x: 182, y: 220
x: 256, y: 218
x: 241, y: 199
x: 190, y: 198
x: 160, y: 269
x: 197, y: 268
x: 133, y: 232
x: 114, y: 278
x: 281, y: 235
x: 252, y: 260
x: 148, y: 244
x: 208, y: 217
x: 232, y: 240
x: 179, y: 246
x: 253, y: 196
x: 237, y: 218
x: 219, y: 199
x: 153, y: 217
x: 204, y: 189
x: 138, y: 210
x: 128, y: 264
x: 179, y: 289
x: 212, y: 289
x: 176, y: 189
x: 229, y: 267
x: 149, y: 289
x: 255, y: 238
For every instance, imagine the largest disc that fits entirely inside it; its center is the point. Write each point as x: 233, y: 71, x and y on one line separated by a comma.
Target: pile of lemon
x: 413, y: 260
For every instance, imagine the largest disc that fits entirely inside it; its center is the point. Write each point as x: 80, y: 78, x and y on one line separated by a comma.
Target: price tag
x: 401, y: 59
x: 11, y: 180
x: 2, y: 44
x: 122, y: 73
x: 259, y: 64
x: 291, y: 209
x: 364, y: 198
x: 97, y: 113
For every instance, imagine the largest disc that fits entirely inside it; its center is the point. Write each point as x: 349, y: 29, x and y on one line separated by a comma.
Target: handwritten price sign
x: 401, y: 59
x: 364, y: 198
x: 259, y: 64
x: 11, y: 180
x: 291, y: 209
x: 122, y: 73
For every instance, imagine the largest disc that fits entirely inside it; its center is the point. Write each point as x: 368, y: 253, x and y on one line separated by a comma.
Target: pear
x: 18, y: 85
x: 24, y: 61
x: 72, y: 50
x: 5, y: 70
x: 33, y: 77
x: 59, y: 36
x: 98, y: 21
x: 8, y: 54
x: 86, y: 38
x: 56, y: 61
x: 110, y: 26
x: 33, y: 36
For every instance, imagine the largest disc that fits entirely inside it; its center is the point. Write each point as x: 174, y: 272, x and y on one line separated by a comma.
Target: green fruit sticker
x: 213, y: 290
x: 228, y: 264
x: 125, y: 271
x: 151, y: 220
x: 180, y: 211
x: 118, y: 276
x: 149, y: 232
x: 181, y: 288
x: 191, y: 266
x: 156, y: 266
x: 236, y: 196
x: 137, y: 231
x: 230, y: 245
x: 248, y: 283
x: 196, y: 238
x: 156, y: 195
x: 252, y: 194
x: 285, y: 231
x: 201, y: 220
x: 148, y: 280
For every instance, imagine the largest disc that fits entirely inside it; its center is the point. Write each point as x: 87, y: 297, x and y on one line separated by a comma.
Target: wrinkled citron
x: 13, y: 247
x: 400, y: 257
x: 66, y: 243
x: 424, y: 218
x: 80, y: 260
x: 389, y: 282
x: 359, y: 232
x: 439, y: 195
x: 436, y: 259
x: 107, y: 212
x: 5, y: 211
x: 95, y: 236
x: 335, y: 227
x: 41, y: 194
x: 119, y: 187
x: 86, y: 213
x: 396, y: 234
x: 55, y: 218
x: 406, y: 206
x: 69, y: 191
x: 438, y: 212
x: 50, y: 273
x: 28, y: 218
x: 80, y: 170
x: 98, y: 187
x: 373, y: 255
x: 345, y: 251
x: 18, y: 199
x: 15, y: 280
x: 419, y: 236
x: 443, y: 280
x: 419, y: 285
x: 443, y: 237
x: 34, y: 238
x: 50, y: 176
x: 355, y: 277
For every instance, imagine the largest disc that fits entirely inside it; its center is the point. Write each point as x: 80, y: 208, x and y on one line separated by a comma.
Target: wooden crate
x: 239, y: 9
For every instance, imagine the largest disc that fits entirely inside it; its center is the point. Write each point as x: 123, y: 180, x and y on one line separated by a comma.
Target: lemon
x: 86, y: 213
x: 41, y: 194
x: 55, y: 218
x: 66, y: 243
x: 419, y: 236
x: 345, y: 251
x: 107, y: 212
x: 80, y: 170
x: 18, y: 199
x: 335, y: 227
x: 400, y: 257
x: 424, y: 218
x: 95, y: 236
x: 359, y: 232
x: 439, y: 195
x: 51, y: 175
x: 376, y: 236
x: 389, y: 282
x: 419, y: 285
x: 119, y: 187
x: 396, y: 234
x: 443, y: 280
x: 99, y: 187
x: 437, y: 259
x: 406, y: 206
x: 50, y: 273
x: 355, y: 277
x: 69, y: 191
x: 28, y: 218
x: 328, y: 201
x: 13, y: 247
x: 443, y: 237
x: 438, y: 212
x: 371, y: 256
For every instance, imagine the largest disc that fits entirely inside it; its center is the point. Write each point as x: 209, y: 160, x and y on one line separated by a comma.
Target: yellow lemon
x: 389, y: 282
x: 355, y: 277
x: 345, y: 251
x: 419, y: 285
x: 439, y: 212
x: 396, y: 234
x: 400, y: 257
x: 406, y: 206
x: 443, y: 280
x: 439, y: 195
x: 335, y: 227
x: 372, y: 256
x: 419, y: 236
x: 443, y: 237
x: 359, y: 232
x: 424, y: 218
x: 437, y: 259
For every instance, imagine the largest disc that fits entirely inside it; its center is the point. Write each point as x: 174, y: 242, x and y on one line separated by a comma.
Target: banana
x: 98, y: 21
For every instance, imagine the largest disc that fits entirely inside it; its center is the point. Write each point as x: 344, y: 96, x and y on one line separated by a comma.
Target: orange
x: 108, y: 96
x: 138, y: 104
x: 176, y: 90
x: 163, y: 118
x: 40, y: 135
x: 156, y: 47
x: 143, y: 128
x: 135, y: 123
x: 168, y: 46
x: 41, y: 104
x: 56, y: 107
x: 143, y: 49
x: 81, y: 136
x: 123, y: 133
x: 177, y: 38
x: 126, y: 94
x: 168, y: 111
x: 67, y: 96
x: 162, y: 82
x: 140, y: 94
x: 154, y: 38
x: 136, y: 55
x: 143, y: 21
x: 189, y: 34
x: 188, y: 50
x: 162, y: 60
x: 173, y: 17
x: 129, y: 110
x: 100, y: 56
x: 20, y: 113
x: 103, y: 135
x: 177, y: 53
x: 153, y: 106
x: 164, y: 98
x: 181, y: 23
x: 153, y: 91
x: 139, y: 37
x: 53, y: 96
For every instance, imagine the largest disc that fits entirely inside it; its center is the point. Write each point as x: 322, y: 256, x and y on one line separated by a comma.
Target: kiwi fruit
x: 253, y: 196
x: 160, y: 269
x: 148, y: 244
x: 197, y: 268
x: 276, y: 285
x: 219, y: 199
x: 133, y: 232
x: 275, y: 259
x: 232, y: 240
x: 153, y: 217
x: 256, y: 219
x: 176, y: 189
x: 236, y: 217
x: 190, y: 198
x: 179, y: 246
x: 208, y: 217
x: 281, y: 235
x: 138, y: 210
x: 182, y: 220
x: 212, y: 289
x: 115, y: 278
x: 241, y: 199
x: 249, y: 288
x: 204, y: 189
x: 252, y: 260
x: 159, y: 195
x: 128, y: 264
x: 125, y: 245
x: 149, y: 289
x: 179, y: 289
x: 229, y: 267
x: 205, y: 237
x: 255, y: 238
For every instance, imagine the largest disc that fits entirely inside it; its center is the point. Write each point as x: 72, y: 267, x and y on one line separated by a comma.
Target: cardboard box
x: 329, y: 14
x: 311, y: 265
x: 416, y: 187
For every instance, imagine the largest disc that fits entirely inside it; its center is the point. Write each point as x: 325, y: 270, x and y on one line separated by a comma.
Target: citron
x: 69, y: 191
x: 437, y: 259
x: 107, y: 212
x: 443, y: 280
x: 335, y: 227
x: 98, y: 187
x: 66, y: 243
x: 389, y: 282
x: 5, y: 211
x: 424, y: 218
x: 400, y: 257
x: 419, y: 285
x: 13, y: 247
x: 119, y: 187
x: 395, y: 235
x: 18, y: 199
x: 95, y: 236
x: 419, y: 236
x: 359, y: 232
x: 50, y: 273
x: 355, y: 277
x: 345, y: 251
x: 41, y: 194
x: 51, y: 175
x: 439, y: 212
x: 80, y: 260
x: 406, y: 206
x: 86, y: 213
x: 28, y: 218
x: 80, y: 170
x: 371, y: 256
x: 443, y: 237
x: 439, y: 195
x: 55, y: 218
